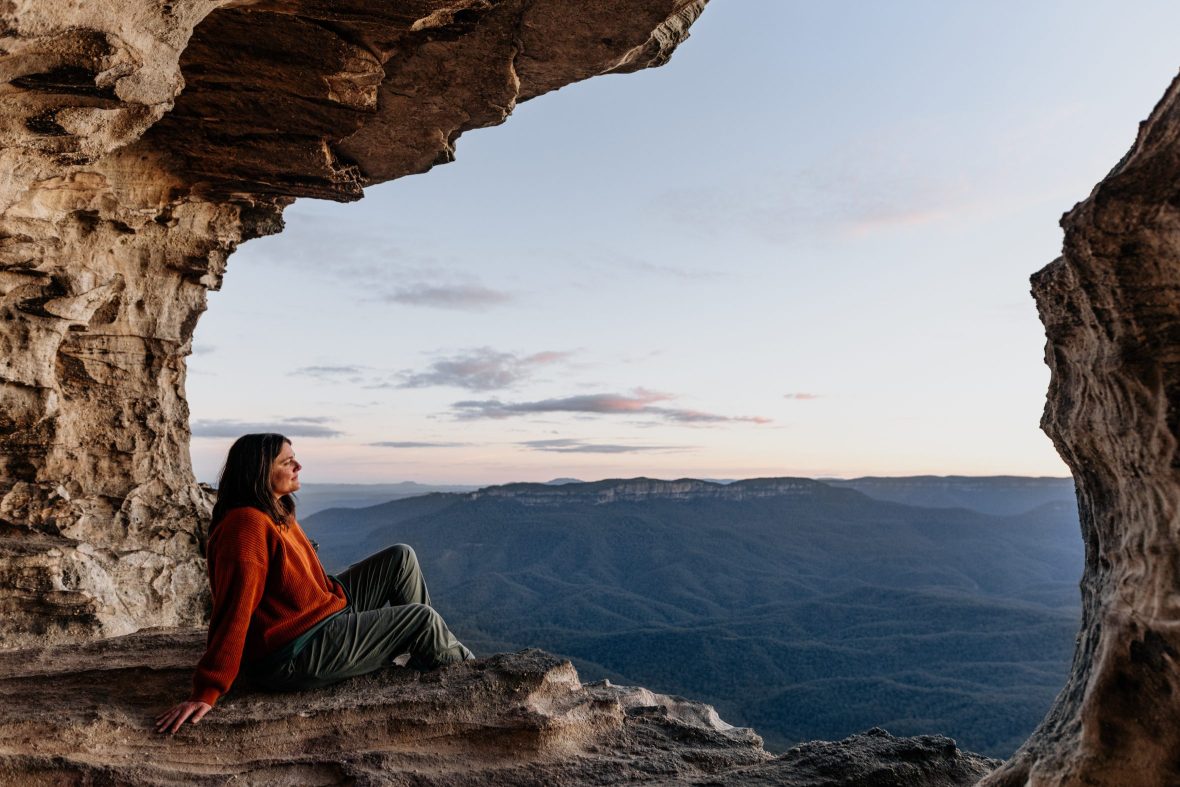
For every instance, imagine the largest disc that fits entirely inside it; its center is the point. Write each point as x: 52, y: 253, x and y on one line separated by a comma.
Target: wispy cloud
x: 476, y: 369
x: 800, y: 396
x: 658, y: 269
x: 361, y: 257
x: 203, y: 349
x: 462, y: 297
x: 479, y: 369
x: 601, y: 257
x: 311, y: 426
x: 351, y: 373
x: 891, y: 177
x: 847, y: 203
x: 698, y: 417
x: 415, y: 444
x: 571, y: 446
x: 639, y: 402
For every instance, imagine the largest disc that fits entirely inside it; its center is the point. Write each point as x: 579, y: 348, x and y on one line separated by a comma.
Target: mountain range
x: 317, y: 497
x: 803, y: 608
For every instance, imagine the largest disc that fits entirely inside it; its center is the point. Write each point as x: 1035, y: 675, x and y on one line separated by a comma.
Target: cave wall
x: 1111, y: 309
x: 140, y: 142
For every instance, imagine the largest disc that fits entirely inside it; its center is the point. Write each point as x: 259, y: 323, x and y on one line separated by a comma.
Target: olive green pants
x: 389, y: 615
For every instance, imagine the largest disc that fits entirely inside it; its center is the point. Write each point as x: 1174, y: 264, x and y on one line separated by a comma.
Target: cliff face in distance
x: 635, y: 489
x: 989, y: 494
x: 121, y: 198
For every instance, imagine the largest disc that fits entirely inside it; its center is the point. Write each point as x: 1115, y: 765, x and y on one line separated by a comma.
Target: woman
x: 277, y: 616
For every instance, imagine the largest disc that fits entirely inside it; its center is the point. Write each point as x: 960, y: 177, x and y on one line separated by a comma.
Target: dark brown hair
x: 245, y: 479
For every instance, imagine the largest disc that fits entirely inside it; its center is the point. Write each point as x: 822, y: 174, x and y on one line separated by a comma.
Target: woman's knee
x: 402, y: 553
x: 425, y: 613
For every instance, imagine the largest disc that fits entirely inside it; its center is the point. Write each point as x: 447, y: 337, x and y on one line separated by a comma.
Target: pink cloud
x: 640, y: 402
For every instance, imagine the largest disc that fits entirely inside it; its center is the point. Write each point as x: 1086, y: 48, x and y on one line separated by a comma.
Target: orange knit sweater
x: 268, y: 588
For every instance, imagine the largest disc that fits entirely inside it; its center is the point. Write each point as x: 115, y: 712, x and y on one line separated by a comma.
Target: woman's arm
x: 238, y: 559
x: 237, y: 590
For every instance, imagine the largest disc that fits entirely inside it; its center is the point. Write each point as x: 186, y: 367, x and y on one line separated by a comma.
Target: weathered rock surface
x: 1111, y: 308
x: 140, y: 143
x: 521, y: 719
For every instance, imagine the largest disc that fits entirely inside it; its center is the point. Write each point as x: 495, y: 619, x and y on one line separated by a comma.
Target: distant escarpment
x: 637, y: 489
x: 1000, y: 495
x: 988, y: 494
x: 521, y: 719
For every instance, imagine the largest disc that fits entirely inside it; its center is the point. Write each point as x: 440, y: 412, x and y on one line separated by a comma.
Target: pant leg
x: 356, y: 643
x: 390, y: 615
x: 392, y: 576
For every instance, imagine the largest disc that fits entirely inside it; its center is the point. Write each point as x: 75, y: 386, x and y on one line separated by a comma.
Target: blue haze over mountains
x: 805, y: 609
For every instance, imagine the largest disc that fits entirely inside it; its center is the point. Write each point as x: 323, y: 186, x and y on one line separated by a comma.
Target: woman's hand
x: 178, y: 713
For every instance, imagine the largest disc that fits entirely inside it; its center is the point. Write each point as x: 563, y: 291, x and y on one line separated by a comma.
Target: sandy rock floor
x: 83, y: 714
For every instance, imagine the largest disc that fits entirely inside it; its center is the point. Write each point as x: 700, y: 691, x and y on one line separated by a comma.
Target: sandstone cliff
x: 636, y: 489
x: 140, y: 143
x: 1111, y: 306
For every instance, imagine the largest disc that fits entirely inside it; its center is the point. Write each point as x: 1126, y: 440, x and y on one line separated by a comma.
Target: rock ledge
x: 521, y: 718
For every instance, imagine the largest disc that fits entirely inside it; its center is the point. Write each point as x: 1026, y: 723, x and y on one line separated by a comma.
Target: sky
x: 800, y: 248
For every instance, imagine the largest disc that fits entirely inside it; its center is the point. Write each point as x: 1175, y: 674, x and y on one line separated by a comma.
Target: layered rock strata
x: 522, y: 719
x: 140, y: 143
x: 1111, y: 309
x: 639, y: 489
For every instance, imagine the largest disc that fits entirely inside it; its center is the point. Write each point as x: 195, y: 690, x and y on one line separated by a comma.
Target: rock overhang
x: 140, y: 143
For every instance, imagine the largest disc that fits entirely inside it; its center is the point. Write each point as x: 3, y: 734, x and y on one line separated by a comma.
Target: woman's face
x: 284, y: 472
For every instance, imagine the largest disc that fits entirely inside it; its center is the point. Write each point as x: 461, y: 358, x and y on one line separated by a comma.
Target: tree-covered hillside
x: 813, y: 613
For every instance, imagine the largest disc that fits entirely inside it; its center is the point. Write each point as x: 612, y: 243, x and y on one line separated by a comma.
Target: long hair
x: 245, y: 479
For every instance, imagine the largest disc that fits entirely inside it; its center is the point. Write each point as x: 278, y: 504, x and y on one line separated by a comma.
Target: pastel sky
x: 800, y: 248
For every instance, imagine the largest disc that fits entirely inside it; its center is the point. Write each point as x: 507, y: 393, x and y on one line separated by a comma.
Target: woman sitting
x: 277, y: 615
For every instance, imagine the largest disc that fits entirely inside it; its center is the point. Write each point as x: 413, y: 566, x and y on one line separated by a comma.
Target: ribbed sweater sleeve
x: 238, y: 562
